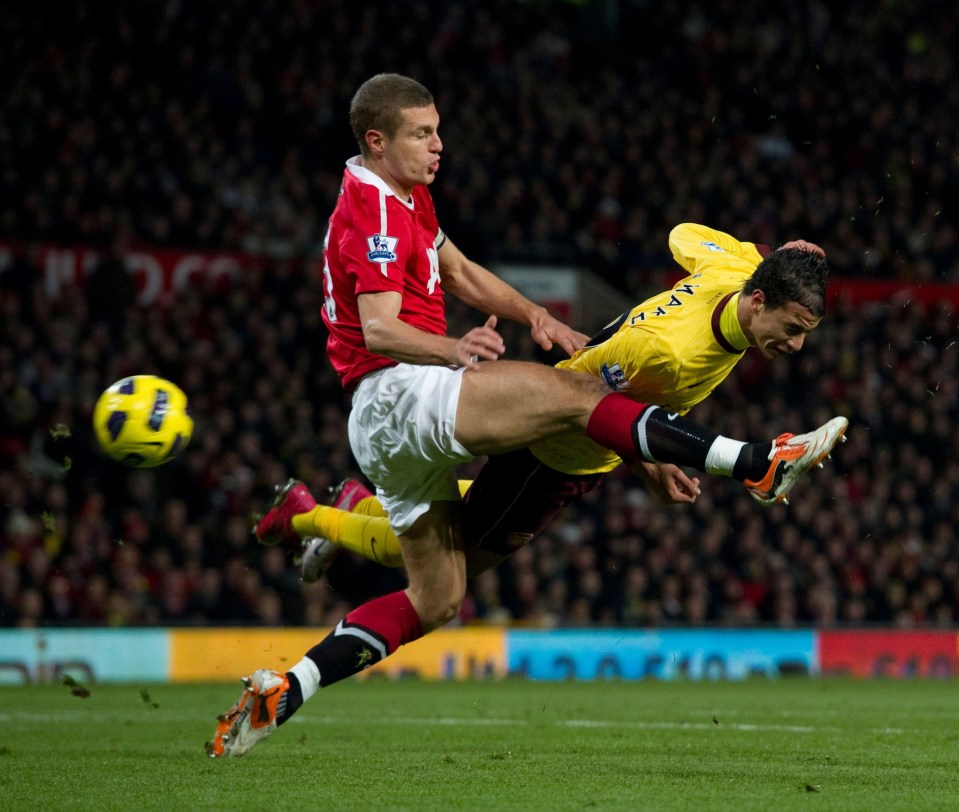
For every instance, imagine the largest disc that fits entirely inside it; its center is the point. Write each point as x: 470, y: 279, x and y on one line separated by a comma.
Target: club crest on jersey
x: 382, y: 248
x: 614, y: 376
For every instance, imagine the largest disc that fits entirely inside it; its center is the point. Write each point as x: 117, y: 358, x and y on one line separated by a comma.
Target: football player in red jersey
x: 423, y: 402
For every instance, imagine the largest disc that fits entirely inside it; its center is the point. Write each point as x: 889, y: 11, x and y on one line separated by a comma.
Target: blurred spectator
x: 110, y: 290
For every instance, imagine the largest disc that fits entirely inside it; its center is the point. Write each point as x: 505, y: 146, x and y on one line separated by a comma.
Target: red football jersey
x: 375, y: 243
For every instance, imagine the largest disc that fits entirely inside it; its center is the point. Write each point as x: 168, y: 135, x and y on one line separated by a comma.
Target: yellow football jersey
x: 671, y: 350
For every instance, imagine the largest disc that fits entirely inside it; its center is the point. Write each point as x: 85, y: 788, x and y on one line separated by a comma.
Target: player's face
x: 781, y: 331
x: 412, y: 157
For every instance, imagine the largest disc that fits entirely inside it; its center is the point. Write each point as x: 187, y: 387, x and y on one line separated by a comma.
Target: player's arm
x: 385, y: 334
x: 476, y: 286
x: 694, y: 245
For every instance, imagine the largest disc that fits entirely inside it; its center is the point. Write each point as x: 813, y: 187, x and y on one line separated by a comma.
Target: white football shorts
x: 401, y: 432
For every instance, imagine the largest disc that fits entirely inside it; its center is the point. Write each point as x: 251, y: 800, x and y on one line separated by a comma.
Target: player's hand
x: 668, y: 483
x: 805, y: 246
x: 479, y: 344
x: 547, y: 331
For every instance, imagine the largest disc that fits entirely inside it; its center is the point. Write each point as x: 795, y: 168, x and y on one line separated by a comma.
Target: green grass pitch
x: 799, y: 743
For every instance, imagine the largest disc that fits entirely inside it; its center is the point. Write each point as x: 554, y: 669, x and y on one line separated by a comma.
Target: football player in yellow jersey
x: 672, y: 350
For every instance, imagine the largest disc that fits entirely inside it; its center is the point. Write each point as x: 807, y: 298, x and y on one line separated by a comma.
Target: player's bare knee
x: 438, y: 607
x: 441, y: 618
x: 452, y: 609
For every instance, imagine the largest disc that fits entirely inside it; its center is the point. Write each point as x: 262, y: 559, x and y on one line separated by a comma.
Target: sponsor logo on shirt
x: 382, y: 248
x: 614, y: 376
x: 712, y: 246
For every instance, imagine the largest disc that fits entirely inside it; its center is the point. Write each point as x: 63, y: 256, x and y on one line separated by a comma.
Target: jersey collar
x: 364, y: 175
x: 726, y: 327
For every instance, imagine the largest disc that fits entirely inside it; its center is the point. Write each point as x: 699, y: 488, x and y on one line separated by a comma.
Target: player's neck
x: 745, y: 317
x: 404, y: 193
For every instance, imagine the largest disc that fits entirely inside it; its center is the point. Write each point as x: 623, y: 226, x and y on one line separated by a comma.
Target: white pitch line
x: 448, y: 721
x: 594, y: 723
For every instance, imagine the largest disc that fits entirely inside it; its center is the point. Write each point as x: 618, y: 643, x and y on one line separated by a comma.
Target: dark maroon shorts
x: 515, y: 496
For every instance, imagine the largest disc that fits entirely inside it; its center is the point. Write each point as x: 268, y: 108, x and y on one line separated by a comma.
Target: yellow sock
x: 370, y: 536
x: 364, y: 530
x: 370, y: 506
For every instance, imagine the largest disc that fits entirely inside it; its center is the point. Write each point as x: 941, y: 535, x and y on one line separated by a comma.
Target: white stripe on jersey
x: 383, y: 225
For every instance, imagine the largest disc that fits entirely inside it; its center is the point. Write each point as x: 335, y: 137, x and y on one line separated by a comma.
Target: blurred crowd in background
x: 576, y: 132
x: 573, y: 134
x: 870, y: 538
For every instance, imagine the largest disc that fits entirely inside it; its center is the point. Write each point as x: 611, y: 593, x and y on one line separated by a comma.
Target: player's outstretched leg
x: 367, y: 635
x: 791, y: 456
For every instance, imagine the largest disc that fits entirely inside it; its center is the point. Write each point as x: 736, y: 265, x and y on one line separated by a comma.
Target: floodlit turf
x: 754, y: 745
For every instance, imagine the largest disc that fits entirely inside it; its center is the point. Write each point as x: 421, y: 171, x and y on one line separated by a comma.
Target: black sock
x: 290, y: 701
x: 684, y: 442
x: 346, y: 651
x: 672, y: 438
x: 752, y: 462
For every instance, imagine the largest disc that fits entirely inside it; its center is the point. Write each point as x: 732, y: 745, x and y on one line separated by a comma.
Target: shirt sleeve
x: 695, y: 247
x: 374, y: 248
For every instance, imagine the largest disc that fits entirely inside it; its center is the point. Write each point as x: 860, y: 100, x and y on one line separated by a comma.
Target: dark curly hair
x: 791, y: 275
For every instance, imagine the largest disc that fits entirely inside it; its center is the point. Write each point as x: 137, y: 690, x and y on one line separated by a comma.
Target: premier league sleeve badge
x: 382, y: 248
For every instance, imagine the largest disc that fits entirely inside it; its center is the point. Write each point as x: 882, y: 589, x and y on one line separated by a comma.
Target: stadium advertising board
x: 223, y: 654
x: 163, y: 274
x: 896, y: 654
x: 86, y: 655
x: 656, y: 654
x: 160, y: 274
x: 218, y: 654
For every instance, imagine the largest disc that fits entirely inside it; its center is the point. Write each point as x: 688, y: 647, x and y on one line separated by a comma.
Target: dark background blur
x: 575, y: 134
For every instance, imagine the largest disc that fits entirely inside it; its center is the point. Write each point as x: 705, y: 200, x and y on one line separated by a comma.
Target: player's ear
x: 375, y: 141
